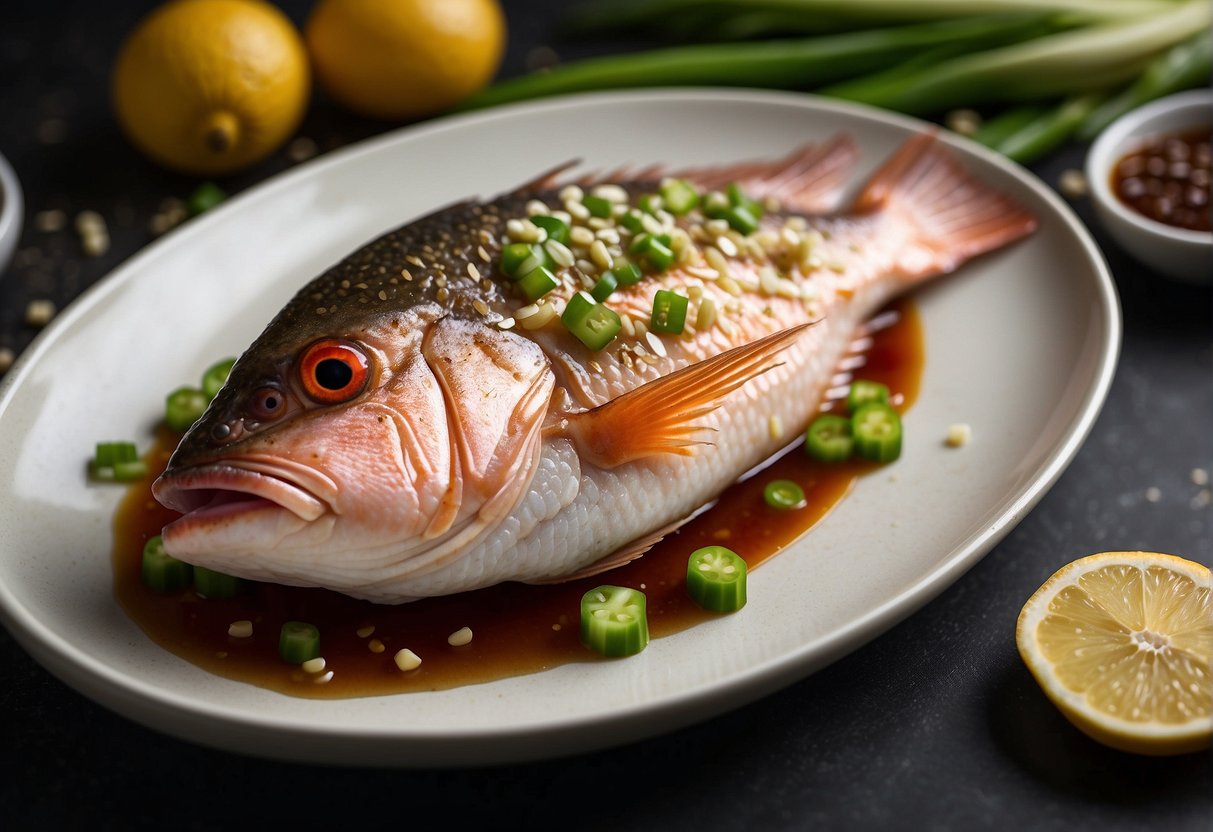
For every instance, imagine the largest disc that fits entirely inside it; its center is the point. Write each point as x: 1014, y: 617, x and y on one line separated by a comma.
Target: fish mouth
x: 221, y: 491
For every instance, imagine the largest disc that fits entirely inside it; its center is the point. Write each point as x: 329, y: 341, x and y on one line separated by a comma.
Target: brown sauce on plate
x: 1167, y: 179
x: 517, y: 629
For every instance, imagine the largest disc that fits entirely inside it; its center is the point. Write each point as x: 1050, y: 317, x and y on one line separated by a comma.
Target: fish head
x: 333, y: 457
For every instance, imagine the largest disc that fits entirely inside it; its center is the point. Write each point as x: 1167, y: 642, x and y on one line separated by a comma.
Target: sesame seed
x: 382, y: 294
x: 506, y: 323
x: 473, y: 272
x: 526, y: 311
x: 587, y: 267
x: 313, y: 665
x: 959, y: 435
x: 595, y: 366
x: 87, y: 221
x: 705, y: 316
x: 577, y: 210
x: 640, y: 326
x: 571, y: 193
x: 611, y: 193
x: 375, y: 646
x: 581, y: 237
x: 560, y: 253
x: 625, y: 322
x: 484, y: 255
x: 7, y: 357
x: 240, y: 629
x: 460, y: 637
x: 1200, y: 476
x: 406, y: 274
x: 325, y: 679
x: 50, y: 221
x: 964, y: 122
x: 415, y: 260
x: 655, y: 343
x: 1153, y: 494
x: 365, y: 631
x: 543, y: 314
x: 407, y: 660
x: 726, y: 246
x: 651, y: 224
x: 774, y: 426
x: 600, y: 255
x: 536, y: 208
x: 716, y: 227
x: 480, y: 306
x: 730, y: 285
x: 600, y: 223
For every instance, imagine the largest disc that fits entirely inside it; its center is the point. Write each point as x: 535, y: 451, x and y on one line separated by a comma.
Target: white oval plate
x: 1021, y: 345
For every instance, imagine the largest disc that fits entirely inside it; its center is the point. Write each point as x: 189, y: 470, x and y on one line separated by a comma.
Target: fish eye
x: 333, y: 371
x: 267, y: 403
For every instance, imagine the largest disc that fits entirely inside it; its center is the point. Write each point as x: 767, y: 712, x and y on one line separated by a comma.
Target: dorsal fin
x: 663, y: 415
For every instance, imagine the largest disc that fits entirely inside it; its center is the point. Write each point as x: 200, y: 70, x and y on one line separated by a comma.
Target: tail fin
x: 957, y: 217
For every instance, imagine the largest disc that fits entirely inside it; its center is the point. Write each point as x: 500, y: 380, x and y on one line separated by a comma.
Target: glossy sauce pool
x: 517, y: 629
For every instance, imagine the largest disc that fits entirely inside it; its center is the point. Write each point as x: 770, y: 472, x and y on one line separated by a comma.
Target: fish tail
x: 955, y: 217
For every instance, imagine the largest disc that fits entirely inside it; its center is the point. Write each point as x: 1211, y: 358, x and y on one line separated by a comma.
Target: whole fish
x: 410, y: 425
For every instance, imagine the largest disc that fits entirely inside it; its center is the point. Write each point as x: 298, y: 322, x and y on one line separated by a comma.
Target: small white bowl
x: 1175, y: 252
x: 11, y: 208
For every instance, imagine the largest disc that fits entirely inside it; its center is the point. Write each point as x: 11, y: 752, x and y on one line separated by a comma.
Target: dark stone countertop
x: 934, y: 725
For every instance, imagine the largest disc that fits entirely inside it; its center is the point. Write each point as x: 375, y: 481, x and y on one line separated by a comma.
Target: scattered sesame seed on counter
x: 7, y: 357
x: 1153, y: 494
x: 50, y: 221
x: 460, y: 637
x: 1200, y: 476
x: 301, y: 149
x: 1073, y: 184
x: 964, y: 122
x: 959, y: 435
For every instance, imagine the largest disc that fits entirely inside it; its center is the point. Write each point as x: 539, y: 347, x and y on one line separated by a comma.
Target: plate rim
x: 196, y: 720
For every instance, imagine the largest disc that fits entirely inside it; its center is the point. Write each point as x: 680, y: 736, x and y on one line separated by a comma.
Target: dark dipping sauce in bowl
x: 1167, y: 179
x: 516, y: 628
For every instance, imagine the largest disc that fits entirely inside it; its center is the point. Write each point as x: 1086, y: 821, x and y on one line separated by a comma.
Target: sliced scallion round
x: 614, y: 621
x: 716, y: 579
x: 597, y: 206
x: 863, y: 391
x: 603, y: 288
x: 556, y: 228
x: 110, y: 454
x: 215, y: 377
x: 537, y: 282
x: 161, y: 571
x: 298, y: 642
x: 655, y: 251
x: 183, y: 407
x: 679, y: 196
x: 877, y: 431
x: 669, y: 312
x: 783, y: 494
x: 205, y: 197
x: 627, y: 274
x: 829, y: 438
x: 136, y: 469
x: 513, y: 256
x: 741, y: 218
x: 593, y: 324
x: 215, y: 585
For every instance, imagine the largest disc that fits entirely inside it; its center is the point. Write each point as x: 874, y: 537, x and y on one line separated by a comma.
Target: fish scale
x: 455, y: 443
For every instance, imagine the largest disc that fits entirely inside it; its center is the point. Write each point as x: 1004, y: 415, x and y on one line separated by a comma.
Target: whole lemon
x: 211, y: 86
x: 399, y: 59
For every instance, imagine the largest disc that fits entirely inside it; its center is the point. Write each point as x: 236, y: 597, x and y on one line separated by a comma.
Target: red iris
x: 333, y: 371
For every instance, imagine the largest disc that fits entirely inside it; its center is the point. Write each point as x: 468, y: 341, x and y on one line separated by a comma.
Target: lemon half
x: 1122, y: 643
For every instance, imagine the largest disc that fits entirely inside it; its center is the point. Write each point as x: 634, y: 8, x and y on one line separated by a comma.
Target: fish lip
x: 223, y: 489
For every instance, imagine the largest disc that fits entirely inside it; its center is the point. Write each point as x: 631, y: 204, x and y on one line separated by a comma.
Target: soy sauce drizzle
x: 517, y: 629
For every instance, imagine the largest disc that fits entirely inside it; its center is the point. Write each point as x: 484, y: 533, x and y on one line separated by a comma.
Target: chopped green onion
x: 655, y: 251
x: 206, y: 197
x: 649, y: 203
x: 736, y: 197
x: 603, y: 288
x: 716, y: 579
x: 829, y: 438
x: 716, y: 205
x: 627, y: 275
x: 298, y: 642
x: 183, y: 407
x: 161, y: 571
x: 215, y: 585
x: 556, y: 228
x: 597, y: 206
x: 632, y: 222
x: 513, y: 256
x: 784, y: 494
x: 877, y: 431
x: 537, y: 282
x: 614, y: 621
x: 110, y: 454
x: 593, y: 324
x: 130, y: 471
x: 215, y: 377
x: 679, y: 196
x: 669, y: 312
x: 741, y: 218
x: 863, y: 391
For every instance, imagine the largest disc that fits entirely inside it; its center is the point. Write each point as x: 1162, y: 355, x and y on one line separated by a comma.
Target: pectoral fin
x: 663, y: 416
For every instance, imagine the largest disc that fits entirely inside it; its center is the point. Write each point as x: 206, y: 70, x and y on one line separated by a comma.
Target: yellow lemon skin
x: 404, y: 59
x: 211, y: 86
x: 1101, y: 622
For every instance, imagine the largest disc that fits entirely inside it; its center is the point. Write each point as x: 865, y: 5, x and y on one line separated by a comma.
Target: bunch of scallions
x: 1041, y: 71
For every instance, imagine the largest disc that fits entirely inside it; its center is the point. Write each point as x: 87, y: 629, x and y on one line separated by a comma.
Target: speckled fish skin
x: 481, y: 451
